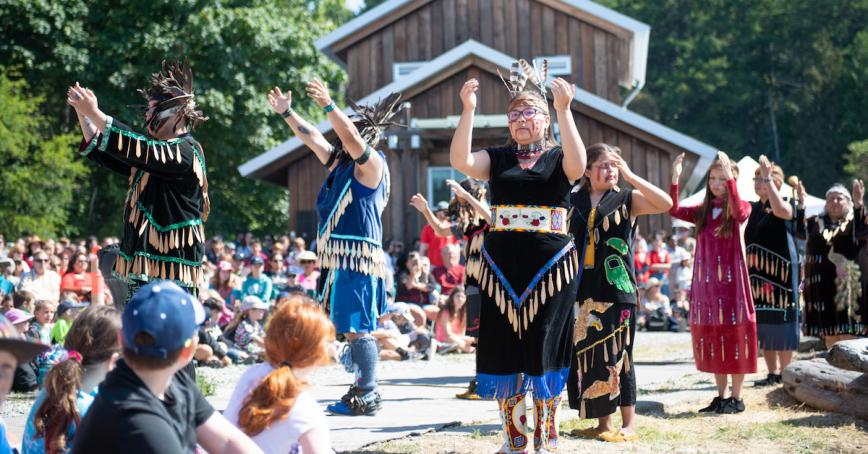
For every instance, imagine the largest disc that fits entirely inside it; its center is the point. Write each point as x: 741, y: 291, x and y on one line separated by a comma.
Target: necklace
x: 529, y: 152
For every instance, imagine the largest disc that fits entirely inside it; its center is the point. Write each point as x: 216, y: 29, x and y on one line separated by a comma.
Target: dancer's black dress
x: 773, y: 265
x: 474, y: 235
x: 165, y: 208
x: 834, y: 282
x: 602, y: 377
x: 527, y: 281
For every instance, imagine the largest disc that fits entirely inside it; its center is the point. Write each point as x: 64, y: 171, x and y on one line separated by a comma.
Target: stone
x: 850, y: 355
x: 826, y: 387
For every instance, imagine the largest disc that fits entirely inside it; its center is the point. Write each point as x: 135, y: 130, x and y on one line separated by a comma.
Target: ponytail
x: 59, y: 410
x: 295, y: 337
x: 270, y: 401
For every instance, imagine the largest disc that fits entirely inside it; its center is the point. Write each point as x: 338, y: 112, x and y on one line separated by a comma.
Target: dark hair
x: 214, y: 304
x: 70, y: 267
x: 149, y: 362
x: 449, y: 305
x: 726, y: 227
x: 460, y: 210
x: 94, y: 335
x: 594, y: 152
x: 22, y: 297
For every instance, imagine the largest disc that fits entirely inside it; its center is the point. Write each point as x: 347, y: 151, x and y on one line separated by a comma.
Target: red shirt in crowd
x: 655, y: 257
x: 448, y: 278
x: 435, y: 244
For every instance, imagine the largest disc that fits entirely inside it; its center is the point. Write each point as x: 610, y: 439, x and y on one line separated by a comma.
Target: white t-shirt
x: 281, y: 437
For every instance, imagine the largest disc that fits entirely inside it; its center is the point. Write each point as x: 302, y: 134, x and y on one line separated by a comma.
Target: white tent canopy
x: 746, y: 170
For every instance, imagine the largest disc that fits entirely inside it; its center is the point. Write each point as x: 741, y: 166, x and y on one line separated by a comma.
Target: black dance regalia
x: 528, y: 289
x: 165, y: 208
x: 474, y: 235
x: 773, y: 265
x: 602, y: 377
x: 834, y: 282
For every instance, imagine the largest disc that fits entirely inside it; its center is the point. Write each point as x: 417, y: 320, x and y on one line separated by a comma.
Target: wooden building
x: 426, y: 49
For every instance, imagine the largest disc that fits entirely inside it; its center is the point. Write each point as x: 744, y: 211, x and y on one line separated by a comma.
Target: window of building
x: 437, y: 189
x: 559, y: 65
x: 402, y: 69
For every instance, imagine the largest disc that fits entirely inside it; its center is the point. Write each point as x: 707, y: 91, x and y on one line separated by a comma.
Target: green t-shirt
x: 61, y: 327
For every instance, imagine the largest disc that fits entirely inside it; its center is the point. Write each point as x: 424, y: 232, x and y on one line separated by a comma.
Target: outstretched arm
x: 739, y: 210
x: 647, y: 198
x: 476, y: 165
x: 441, y: 228
x: 575, y: 157
x: 369, y: 164
x: 281, y: 104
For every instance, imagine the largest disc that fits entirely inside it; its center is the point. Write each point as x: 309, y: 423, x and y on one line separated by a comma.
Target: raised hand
x: 418, y: 201
x: 677, y: 168
x: 765, y: 167
x: 622, y: 166
x: 319, y: 92
x: 801, y: 193
x: 458, y: 190
x: 726, y: 164
x: 279, y: 101
x: 563, y: 92
x: 82, y: 100
x: 468, y: 94
x: 858, y: 192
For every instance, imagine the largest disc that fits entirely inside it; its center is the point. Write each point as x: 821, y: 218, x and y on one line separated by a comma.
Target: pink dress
x: 722, y: 316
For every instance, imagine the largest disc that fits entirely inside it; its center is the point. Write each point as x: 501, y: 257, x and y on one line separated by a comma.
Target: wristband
x: 329, y: 107
x: 287, y: 113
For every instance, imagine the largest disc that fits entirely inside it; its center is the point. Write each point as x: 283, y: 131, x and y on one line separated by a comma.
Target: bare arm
x: 575, y: 158
x: 476, y: 165
x: 282, y: 103
x: 780, y: 208
x: 647, y: 198
x: 217, y: 435
x: 441, y: 228
x: 316, y: 441
x: 370, y: 172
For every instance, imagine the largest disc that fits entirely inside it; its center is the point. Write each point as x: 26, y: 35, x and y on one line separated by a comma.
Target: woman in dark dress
x: 529, y: 261
x: 835, y: 306
x: 603, y: 225
x: 773, y: 266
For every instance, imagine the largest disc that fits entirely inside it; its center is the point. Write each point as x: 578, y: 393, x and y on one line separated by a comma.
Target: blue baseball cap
x: 164, y: 311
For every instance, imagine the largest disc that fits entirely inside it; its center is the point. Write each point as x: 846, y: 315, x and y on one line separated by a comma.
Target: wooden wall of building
x: 519, y: 28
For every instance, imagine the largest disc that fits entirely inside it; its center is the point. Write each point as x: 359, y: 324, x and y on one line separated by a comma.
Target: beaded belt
x: 528, y: 218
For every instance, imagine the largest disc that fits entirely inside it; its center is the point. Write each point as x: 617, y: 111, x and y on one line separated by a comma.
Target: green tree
x: 39, y: 171
x: 238, y: 50
x: 857, y: 159
x: 730, y: 72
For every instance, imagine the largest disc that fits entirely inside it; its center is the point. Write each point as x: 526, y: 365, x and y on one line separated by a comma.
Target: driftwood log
x: 826, y: 387
x: 850, y: 355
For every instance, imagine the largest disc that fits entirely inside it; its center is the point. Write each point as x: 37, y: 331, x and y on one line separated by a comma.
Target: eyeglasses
x: 527, y: 113
x: 40, y: 260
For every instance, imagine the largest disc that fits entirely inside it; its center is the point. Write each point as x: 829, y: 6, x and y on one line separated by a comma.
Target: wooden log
x: 810, y: 343
x: 826, y: 387
x: 850, y: 355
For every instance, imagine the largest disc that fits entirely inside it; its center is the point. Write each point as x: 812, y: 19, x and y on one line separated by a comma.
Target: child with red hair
x: 270, y: 403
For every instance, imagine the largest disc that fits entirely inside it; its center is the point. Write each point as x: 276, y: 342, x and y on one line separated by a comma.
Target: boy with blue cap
x: 147, y: 404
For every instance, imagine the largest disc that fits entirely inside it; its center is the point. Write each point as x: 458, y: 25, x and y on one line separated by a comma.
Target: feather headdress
x: 523, y: 73
x: 372, y: 119
x: 172, y: 89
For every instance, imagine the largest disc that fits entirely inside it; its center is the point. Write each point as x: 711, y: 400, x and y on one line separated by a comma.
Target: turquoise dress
x: 349, y: 248
x: 32, y: 445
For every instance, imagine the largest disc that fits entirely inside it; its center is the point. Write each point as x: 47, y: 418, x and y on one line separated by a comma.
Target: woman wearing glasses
x: 528, y: 260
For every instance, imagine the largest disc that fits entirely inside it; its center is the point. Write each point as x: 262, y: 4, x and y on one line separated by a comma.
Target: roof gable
x: 636, y: 32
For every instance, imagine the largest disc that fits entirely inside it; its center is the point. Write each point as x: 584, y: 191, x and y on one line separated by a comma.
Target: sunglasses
x: 527, y: 113
x: 40, y: 260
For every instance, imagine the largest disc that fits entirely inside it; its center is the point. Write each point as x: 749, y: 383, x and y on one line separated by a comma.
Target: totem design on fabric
x: 545, y: 433
x: 513, y: 416
x: 612, y: 386
x: 616, y: 270
x: 586, y: 319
